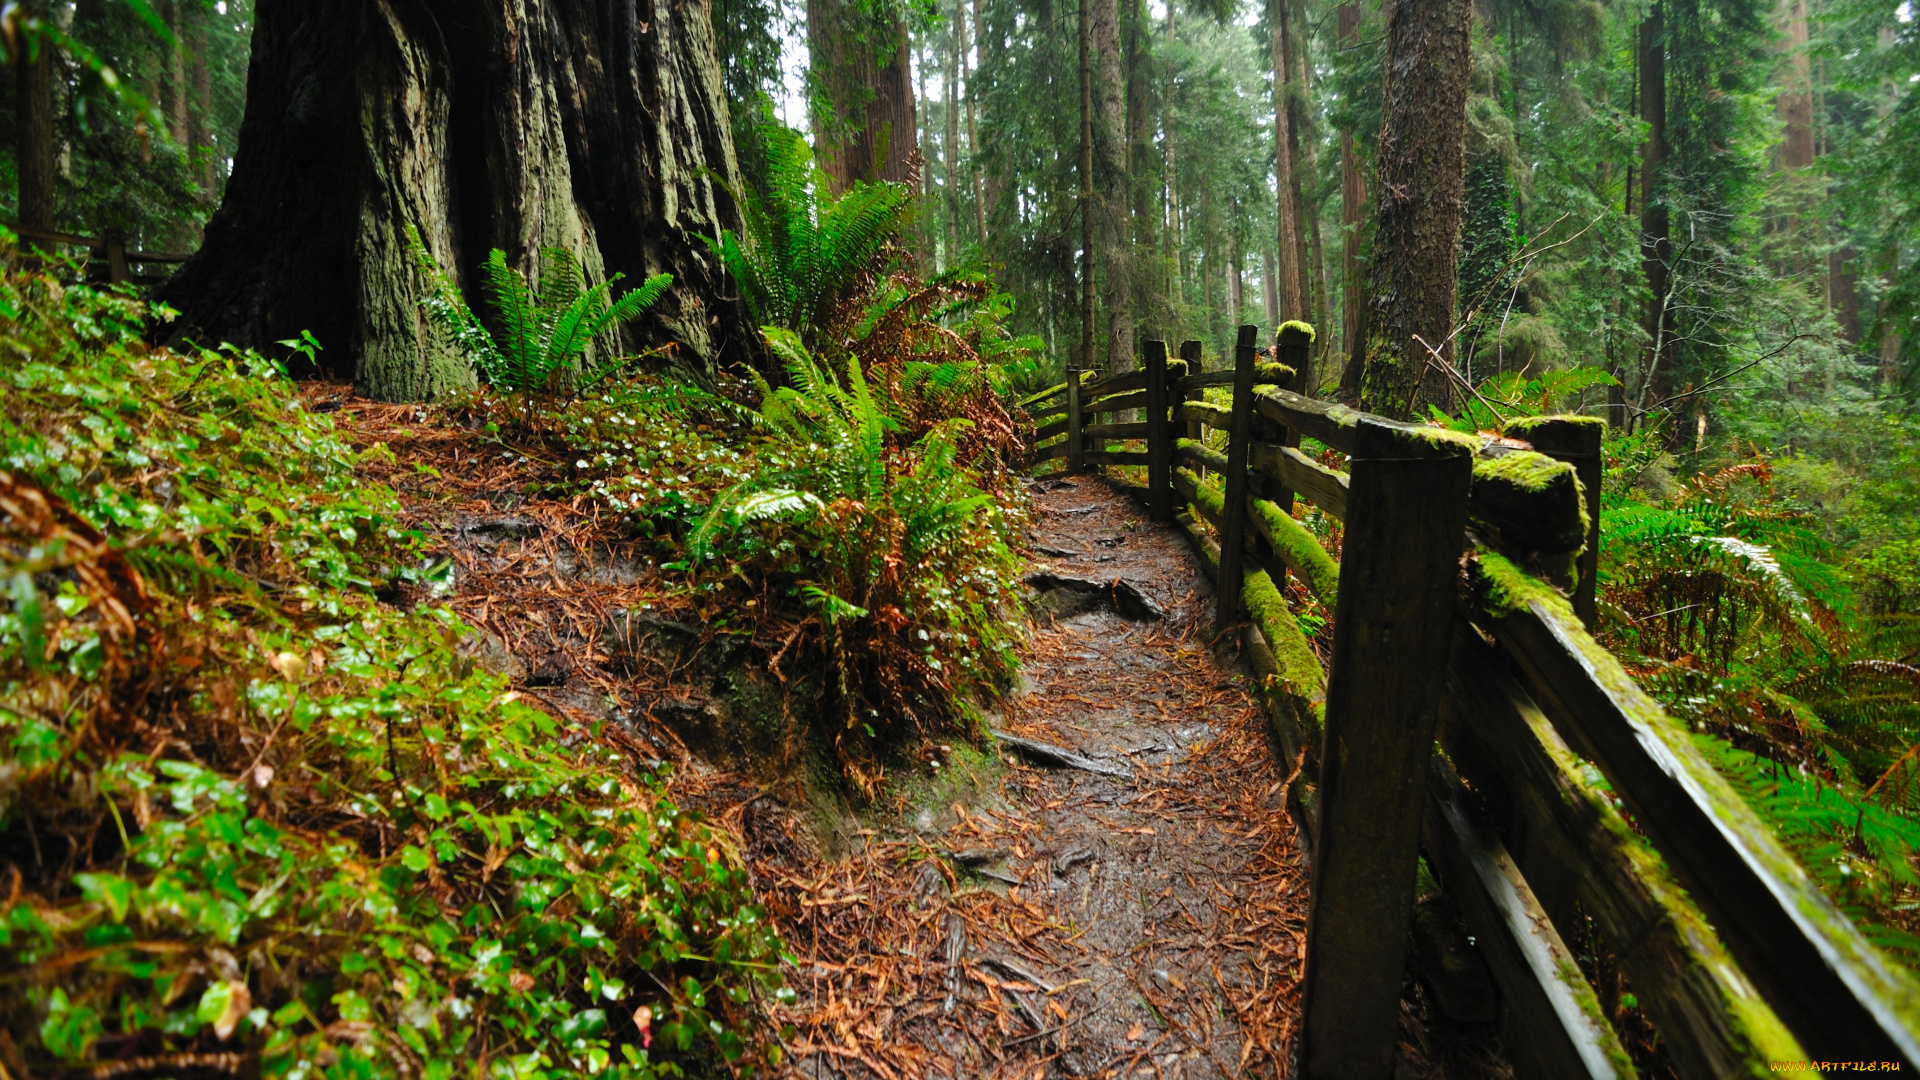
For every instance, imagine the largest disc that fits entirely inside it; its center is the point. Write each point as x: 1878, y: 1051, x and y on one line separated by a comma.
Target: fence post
x: 1293, y: 346
x: 1190, y: 352
x: 1159, y: 437
x: 1406, y: 523
x: 115, y: 241
x: 1233, y: 519
x: 1575, y: 440
x: 1076, y: 449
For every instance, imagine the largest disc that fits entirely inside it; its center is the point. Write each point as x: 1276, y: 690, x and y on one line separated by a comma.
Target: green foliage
x: 804, y: 252
x: 545, y: 328
x: 901, y: 557
x: 254, y: 809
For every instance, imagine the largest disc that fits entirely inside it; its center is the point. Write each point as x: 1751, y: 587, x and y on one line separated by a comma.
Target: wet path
x: 1143, y: 918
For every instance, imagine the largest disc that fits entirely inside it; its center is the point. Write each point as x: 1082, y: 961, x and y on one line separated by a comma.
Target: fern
x: 546, y: 327
x: 803, y: 250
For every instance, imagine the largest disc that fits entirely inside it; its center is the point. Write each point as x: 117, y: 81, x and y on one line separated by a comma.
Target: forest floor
x: 1000, y: 918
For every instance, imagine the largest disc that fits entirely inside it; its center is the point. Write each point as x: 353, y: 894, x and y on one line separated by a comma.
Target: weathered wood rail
x: 115, y: 260
x: 1467, y: 713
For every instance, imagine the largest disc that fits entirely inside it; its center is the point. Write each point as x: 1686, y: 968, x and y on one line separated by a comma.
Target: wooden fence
x: 114, y: 260
x: 1468, y: 714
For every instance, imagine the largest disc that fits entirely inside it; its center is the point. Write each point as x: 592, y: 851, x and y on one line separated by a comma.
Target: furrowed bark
x: 1420, y: 163
x: 599, y: 126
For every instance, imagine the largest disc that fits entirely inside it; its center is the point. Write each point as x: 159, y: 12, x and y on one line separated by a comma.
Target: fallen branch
x: 1042, y: 753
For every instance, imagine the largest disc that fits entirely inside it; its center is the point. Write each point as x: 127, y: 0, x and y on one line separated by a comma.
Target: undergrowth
x: 250, y: 812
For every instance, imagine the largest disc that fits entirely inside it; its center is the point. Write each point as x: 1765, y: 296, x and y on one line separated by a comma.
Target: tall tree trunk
x: 1269, y: 294
x: 177, y: 14
x: 1293, y: 304
x: 599, y: 126
x: 1794, y: 104
x: 33, y: 131
x: 1171, y: 184
x: 950, y: 150
x: 1087, y: 211
x: 973, y: 130
x: 1416, y: 240
x: 1307, y: 177
x: 988, y: 43
x: 859, y: 59
x: 201, y: 125
x: 1292, y: 21
x: 1353, y: 202
x: 1656, y: 368
x: 1149, y: 297
x: 1110, y: 179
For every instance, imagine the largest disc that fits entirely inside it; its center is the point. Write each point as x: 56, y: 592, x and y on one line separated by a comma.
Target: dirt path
x: 1001, y: 919
x: 1077, y: 923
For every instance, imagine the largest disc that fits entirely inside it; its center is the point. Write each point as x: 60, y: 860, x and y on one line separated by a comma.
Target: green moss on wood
x: 1266, y: 371
x: 1523, y: 427
x: 1501, y: 588
x: 1439, y: 436
x: 1298, y: 327
x: 1213, y: 459
x: 1531, y: 500
x: 1298, y: 548
x: 1301, y: 679
x: 1527, y: 471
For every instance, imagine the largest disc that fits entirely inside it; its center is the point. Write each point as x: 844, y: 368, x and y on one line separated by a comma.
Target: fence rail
x: 1469, y: 715
x: 111, y: 250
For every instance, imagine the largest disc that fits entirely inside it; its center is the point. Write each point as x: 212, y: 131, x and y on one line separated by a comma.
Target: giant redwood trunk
x: 599, y: 126
x: 860, y: 54
x: 1112, y: 206
x: 1420, y: 163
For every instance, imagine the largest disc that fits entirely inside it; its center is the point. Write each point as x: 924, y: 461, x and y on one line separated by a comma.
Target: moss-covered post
x: 1159, y: 439
x: 1293, y: 346
x: 1190, y: 352
x: 1406, y: 523
x: 1575, y: 440
x: 1233, y: 517
x: 1076, y: 446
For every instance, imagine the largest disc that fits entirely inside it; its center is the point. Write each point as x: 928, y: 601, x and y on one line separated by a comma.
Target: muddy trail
x: 1140, y: 913
x: 1114, y: 890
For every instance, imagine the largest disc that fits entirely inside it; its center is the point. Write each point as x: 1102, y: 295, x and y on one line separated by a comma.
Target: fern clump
x: 901, y: 559
x: 547, y: 328
x: 804, y: 251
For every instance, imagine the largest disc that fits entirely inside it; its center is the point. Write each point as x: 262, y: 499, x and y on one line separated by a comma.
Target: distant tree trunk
x: 950, y: 149
x: 973, y: 131
x: 1268, y: 267
x: 1087, y: 212
x: 1315, y: 253
x: 1843, y: 295
x: 1172, y: 181
x: 1416, y: 240
x: 33, y: 130
x: 201, y: 121
x: 1353, y: 202
x: 1293, y: 303
x: 1656, y: 369
x: 1148, y: 295
x: 177, y: 74
x: 599, y: 126
x: 989, y: 46
x: 860, y: 60
x: 1794, y: 104
x: 1110, y: 179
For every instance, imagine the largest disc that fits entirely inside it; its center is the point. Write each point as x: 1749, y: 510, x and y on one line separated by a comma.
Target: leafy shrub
x: 546, y: 327
x: 901, y: 557
x: 250, y: 809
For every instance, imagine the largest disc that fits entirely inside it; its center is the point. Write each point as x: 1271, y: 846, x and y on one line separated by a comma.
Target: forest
x: 647, y: 538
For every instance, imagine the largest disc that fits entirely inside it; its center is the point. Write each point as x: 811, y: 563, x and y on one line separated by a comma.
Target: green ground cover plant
x: 254, y: 803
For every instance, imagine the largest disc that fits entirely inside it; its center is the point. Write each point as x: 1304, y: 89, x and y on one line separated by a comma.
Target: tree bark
x: 950, y: 150
x: 33, y: 128
x: 1110, y: 177
x: 599, y: 126
x: 1293, y: 303
x: 1353, y: 202
x: 1421, y: 162
x: 1087, y: 211
x: 1268, y: 268
x: 1656, y: 369
x: 973, y: 130
x: 860, y: 60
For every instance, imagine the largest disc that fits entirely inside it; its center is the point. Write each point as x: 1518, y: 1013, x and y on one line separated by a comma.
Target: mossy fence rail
x: 1467, y: 713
